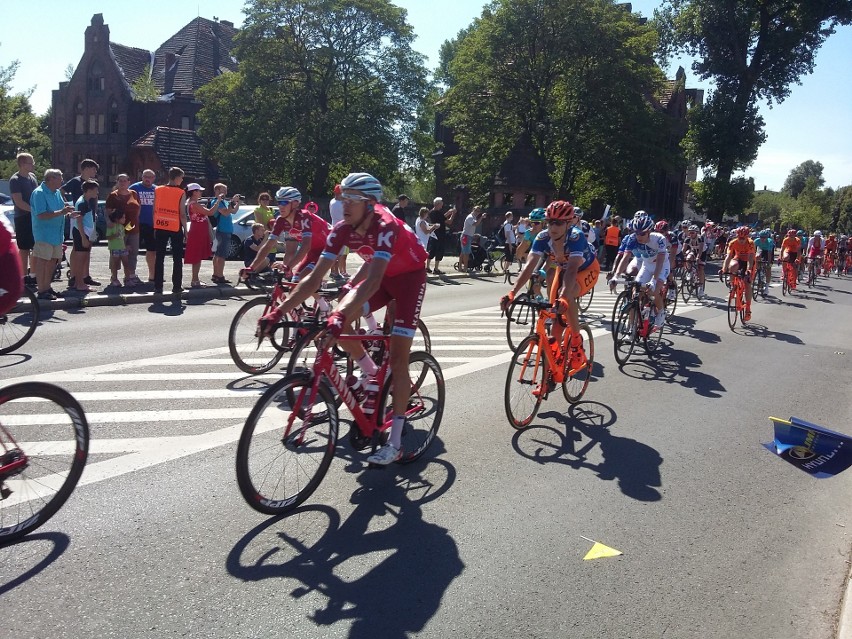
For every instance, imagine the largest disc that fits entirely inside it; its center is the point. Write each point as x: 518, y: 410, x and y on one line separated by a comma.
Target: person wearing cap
x: 400, y: 207
x: 335, y: 210
x: 199, y: 246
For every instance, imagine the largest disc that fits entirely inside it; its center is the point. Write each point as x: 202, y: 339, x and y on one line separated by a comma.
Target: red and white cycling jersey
x: 387, y: 238
x: 305, y: 225
x: 11, y: 278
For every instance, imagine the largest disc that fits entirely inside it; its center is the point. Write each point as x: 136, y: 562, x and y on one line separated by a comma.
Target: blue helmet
x: 765, y: 233
x: 538, y: 215
x: 642, y: 223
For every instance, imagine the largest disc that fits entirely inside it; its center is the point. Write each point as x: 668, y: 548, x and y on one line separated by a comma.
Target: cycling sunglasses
x: 354, y: 197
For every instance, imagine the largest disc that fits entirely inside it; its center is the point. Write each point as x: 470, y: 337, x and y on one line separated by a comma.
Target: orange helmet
x: 559, y: 210
x: 743, y: 231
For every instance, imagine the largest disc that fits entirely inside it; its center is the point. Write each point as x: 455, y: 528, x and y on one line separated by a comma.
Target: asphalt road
x: 484, y: 537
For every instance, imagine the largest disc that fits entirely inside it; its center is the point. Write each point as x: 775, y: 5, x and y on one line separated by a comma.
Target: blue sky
x: 814, y: 123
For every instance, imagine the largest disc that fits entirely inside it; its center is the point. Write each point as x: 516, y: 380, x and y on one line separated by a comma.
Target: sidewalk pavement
x: 144, y: 294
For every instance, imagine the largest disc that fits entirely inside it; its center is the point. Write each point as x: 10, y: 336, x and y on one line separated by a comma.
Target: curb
x: 844, y: 626
x: 93, y: 300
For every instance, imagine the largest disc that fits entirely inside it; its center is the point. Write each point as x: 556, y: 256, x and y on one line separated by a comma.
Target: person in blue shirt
x: 567, y: 246
x: 49, y: 211
x: 224, y: 230
x: 145, y: 192
x: 765, y: 247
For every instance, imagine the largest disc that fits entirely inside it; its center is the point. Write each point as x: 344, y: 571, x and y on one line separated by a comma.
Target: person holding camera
x: 224, y: 230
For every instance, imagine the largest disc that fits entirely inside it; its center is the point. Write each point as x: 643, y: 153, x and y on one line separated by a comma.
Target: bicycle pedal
x: 5, y: 492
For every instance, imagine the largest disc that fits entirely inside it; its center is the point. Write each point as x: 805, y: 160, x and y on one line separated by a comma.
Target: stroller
x: 480, y: 258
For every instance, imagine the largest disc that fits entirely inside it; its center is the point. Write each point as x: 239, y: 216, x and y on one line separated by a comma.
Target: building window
x: 95, y: 81
x: 80, y: 124
x: 113, y: 167
x: 184, y: 122
x: 101, y: 124
x: 92, y: 123
x: 113, y: 123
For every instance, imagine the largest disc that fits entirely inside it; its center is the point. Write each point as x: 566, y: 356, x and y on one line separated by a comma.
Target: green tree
x: 323, y: 87
x: 841, y: 210
x: 795, y: 182
x: 771, y: 207
x: 144, y: 88
x: 574, y: 75
x: 753, y: 50
x: 20, y: 129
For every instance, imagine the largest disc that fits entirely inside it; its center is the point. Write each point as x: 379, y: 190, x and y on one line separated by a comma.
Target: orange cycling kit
x: 740, y: 249
x: 792, y: 246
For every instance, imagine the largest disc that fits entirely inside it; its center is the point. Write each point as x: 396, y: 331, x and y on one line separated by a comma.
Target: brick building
x: 96, y: 114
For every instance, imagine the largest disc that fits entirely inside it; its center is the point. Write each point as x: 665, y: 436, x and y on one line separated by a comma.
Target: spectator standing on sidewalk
x: 335, y: 211
x: 263, y: 213
x: 424, y: 231
x: 199, y: 246
x: 145, y: 193
x: 400, y: 208
x: 169, y: 227
x: 116, y: 219
x: 509, y: 239
x: 49, y: 211
x: 467, y: 235
x: 82, y: 234
x: 612, y: 238
x: 224, y: 230
x: 21, y: 186
x: 441, y: 219
x: 73, y: 188
x: 124, y: 200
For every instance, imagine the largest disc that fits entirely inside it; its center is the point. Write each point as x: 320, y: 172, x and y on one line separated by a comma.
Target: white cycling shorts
x: 646, y: 272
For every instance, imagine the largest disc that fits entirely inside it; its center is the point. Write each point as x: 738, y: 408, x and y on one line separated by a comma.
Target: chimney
x: 97, y: 34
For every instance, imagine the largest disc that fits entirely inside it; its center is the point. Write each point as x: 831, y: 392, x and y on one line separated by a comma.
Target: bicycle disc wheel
x: 286, y: 445
x: 576, y: 382
x: 585, y: 301
x: 525, y: 382
x: 626, y: 333
x: 732, y: 309
x: 424, y: 409
x: 19, y: 324
x: 520, y: 322
x: 249, y: 354
x: 53, y: 436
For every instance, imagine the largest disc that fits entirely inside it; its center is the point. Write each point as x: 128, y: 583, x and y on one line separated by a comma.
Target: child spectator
x: 82, y: 234
x: 118, y: 255
x: 252, y: 244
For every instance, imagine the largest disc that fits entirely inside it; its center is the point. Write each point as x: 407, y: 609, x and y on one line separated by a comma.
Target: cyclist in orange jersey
x: 741, y: 250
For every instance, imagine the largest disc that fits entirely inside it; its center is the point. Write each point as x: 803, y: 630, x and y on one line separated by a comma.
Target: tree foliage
x: 20, y: 129
x: 771, y: 207
x: 576, y: 76
x: 795, y: 182
x: 841, y: 210
x: 753, y: 50
x: 323, y: 87
x: 144, y: 88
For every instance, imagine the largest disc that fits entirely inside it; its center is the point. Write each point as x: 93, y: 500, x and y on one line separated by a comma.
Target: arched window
x: 79, y: 119
x: 113, y: 117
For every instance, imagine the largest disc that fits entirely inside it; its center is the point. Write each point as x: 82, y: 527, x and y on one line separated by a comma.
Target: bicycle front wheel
x: 620, y: 302
x: 732, y: 308
x: 43, y: 449
x: 424, y: 409
x: 525, y: 382
x: 251, y: 353
x: 626, y: 332
x: 520, y: 321
x: 671, y: 303
x: 286, y: 445
x: 19, y: 324
x: 576, y: 382
x: 687, y: 286
x: 652, y: 339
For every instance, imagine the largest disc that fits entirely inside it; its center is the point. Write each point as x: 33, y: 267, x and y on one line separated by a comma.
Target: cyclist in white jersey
x: 650, y: 249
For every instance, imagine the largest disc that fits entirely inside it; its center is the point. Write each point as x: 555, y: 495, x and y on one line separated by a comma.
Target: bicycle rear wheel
x: 585, y: 301
x: 19, y: 324
x: 687, y: 286
x: 286, y: 445
x: 785, y: 280
x: 732, y: 308
x: 525, y: 382
x: 626, y: 332
x: 576, y: 382
x: 520, y: 322
x: 49, y: 441
x: 671, y: 303
x: 652, y: 339
x: 425, y: 408
x: 252, y: 354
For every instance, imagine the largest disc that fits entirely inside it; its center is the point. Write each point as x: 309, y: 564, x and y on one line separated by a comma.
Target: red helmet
x: 662, y: 226
x: 791, y: 233
x: 743, y: 231
x: 559, y: 210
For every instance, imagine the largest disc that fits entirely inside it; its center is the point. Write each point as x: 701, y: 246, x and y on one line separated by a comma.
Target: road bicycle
x: 828, y: 264
x: 42, y: 454
x: 520, y: 318
x: 689, y: 281
x: 813, y: 270
x: 254, y: 352
x: 539, y: 363
x: 18, y: 324
x: 291, y: 435
x: 634, y: 322
x: 789, y: 276
x: 737, y: 299
x: 760, y: 283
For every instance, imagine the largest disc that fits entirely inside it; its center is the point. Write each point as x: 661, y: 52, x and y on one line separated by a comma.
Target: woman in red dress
x: 199, y: 246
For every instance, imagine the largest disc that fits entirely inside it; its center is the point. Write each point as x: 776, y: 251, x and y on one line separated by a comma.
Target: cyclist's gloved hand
x: 561, y: 305
x: 245, y: 273
x: 270, y: 320
x: 507, y: 300
x: 343, y: 291
x: 335, y: 323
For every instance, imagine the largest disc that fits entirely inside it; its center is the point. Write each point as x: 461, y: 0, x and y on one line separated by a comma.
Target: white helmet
x: 817, y: 233
x: 288, y: 194
x: 363, y: 182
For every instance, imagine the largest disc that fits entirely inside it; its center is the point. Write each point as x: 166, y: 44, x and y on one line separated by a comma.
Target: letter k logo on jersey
x: 385, y: 239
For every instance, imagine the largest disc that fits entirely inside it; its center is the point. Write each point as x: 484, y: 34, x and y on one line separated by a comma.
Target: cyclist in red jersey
x: 394, y: 269
x: 11, y: 276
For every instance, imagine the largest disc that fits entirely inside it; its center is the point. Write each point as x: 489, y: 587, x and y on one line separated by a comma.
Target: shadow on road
x: 636, y: 466
x: 313, y: 547
x: 759, y: 330
x: 675, y: 367
x: 686, y: 326
x: 169, y: 306
x: 29, y: 548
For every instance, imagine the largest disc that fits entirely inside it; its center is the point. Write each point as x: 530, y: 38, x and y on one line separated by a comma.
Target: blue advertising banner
x: 818, y: 451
